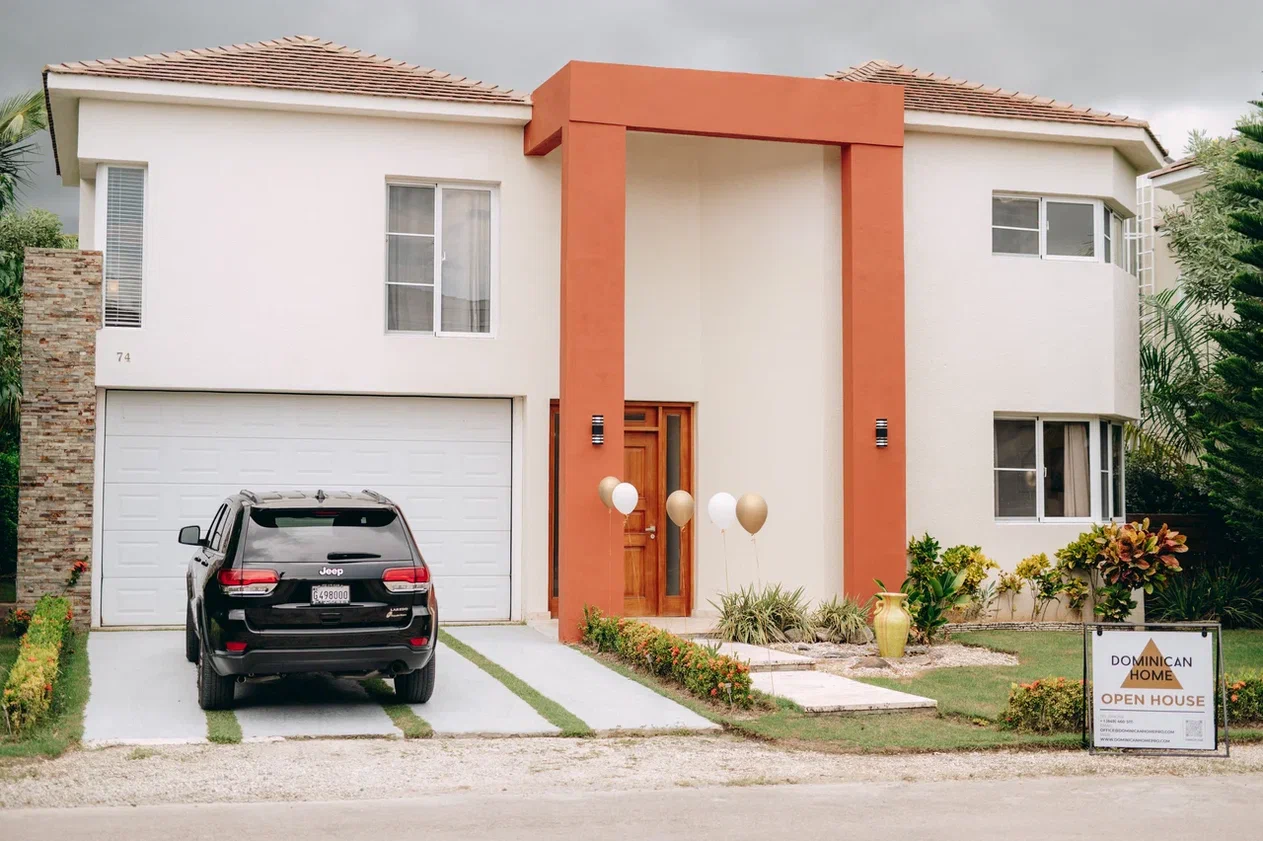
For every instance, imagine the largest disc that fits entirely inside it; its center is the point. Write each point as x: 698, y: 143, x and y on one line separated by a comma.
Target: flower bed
x: 700, y: 670
x: 28, y: 692
x: 1055, y: 704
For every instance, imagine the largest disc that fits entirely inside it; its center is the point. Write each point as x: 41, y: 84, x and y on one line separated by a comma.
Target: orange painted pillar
x: 874, y: 481
x: 593, y: 232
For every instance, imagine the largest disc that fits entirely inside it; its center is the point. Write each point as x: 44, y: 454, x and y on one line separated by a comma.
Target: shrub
x: 15, y: 624
x: 1081, y: 554
x: 1012, y: 584
x: 1134, y: 556
x: 28, y: 691
x: 760, y: 618
x: 702, y: 671
x: 1051, y: 705
x: 981, y: 601
x: 972, y: 562
x: 1076, y: 591
x: 1226, y: 594
x: 841, y: 620
x: 1245, y: 697
x: 1113, y: 602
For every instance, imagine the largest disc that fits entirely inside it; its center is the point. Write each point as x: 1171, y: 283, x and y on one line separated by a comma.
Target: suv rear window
x: 278, y: 535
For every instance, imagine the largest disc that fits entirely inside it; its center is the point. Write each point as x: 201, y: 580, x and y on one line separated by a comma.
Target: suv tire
x: 416, y: 687
x: 192, y: 647
x: 213, y: 691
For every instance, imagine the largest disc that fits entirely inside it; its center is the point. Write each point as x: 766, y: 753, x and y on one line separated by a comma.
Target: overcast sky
x: 1179, y: 65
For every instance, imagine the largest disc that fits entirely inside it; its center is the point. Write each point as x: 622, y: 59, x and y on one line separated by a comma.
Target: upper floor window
x: 1043, y: 469
x: 1052, y: 229
x: 124, y: 245
x: 439, y: 261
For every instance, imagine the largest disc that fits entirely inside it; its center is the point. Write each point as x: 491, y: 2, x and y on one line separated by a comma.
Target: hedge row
x: 702, y: 671
x: 1055, y: 704
x: 28, y: 692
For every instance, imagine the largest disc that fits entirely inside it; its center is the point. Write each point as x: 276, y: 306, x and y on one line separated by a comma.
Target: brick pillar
x: 62, y: 312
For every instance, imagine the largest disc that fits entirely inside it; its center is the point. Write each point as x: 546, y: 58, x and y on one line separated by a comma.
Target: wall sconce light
x: 598, y: 430
x: 882, y: 428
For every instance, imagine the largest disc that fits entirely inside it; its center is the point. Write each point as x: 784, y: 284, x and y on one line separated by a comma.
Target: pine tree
x: 1234, y: 414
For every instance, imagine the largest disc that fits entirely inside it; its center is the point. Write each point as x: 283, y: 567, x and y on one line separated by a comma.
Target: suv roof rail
x: 378, y: 497
x: 250, y: 495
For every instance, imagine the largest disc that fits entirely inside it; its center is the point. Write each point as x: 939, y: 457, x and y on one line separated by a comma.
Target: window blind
x: 124, y: 245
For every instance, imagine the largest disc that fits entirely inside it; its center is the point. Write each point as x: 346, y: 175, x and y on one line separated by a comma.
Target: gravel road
x: 373, y: 768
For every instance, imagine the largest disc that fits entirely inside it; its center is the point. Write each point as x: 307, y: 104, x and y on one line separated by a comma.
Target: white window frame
x: 100, y: 239
x: 438, y: 187
x: 1106, y: 467
x: 1097, y: 215
x: 1099, y: 507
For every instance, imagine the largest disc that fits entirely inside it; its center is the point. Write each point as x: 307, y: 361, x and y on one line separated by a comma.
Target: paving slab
x: 604, y: 699
x: 315, y: 705
x: 760, y: 658
x: 468, y: 701
x: 143, y: 690
x: 822, y: 692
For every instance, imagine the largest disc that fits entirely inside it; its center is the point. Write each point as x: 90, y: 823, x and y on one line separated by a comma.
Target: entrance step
x: 761, y: 659
x: 822, y: 692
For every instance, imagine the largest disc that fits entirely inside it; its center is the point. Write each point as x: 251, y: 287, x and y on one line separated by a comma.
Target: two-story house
x: 887, y: 301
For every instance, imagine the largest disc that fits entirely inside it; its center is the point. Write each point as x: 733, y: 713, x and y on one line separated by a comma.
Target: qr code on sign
x: 1193, y: 730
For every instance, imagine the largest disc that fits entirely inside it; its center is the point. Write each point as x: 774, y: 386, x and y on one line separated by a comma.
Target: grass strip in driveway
x: 63, y: 726
x: 222, y: 727
x: 412, y: 725
x: 554, y: 713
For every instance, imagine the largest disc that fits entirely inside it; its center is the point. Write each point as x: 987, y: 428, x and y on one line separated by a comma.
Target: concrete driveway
x: 144, y: 692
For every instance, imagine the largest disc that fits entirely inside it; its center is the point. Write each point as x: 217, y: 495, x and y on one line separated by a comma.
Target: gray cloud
x: 1179, y: 66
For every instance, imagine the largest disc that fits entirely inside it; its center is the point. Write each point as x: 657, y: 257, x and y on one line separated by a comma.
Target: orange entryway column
x: 593, y: 231
x: 874, y: 483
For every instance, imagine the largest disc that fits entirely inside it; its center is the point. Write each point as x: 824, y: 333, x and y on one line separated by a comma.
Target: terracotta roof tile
x: 300, y: 62
x: 944, y: 95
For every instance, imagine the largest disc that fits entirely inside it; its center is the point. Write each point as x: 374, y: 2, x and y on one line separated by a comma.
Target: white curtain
x: 466, y: 261
x: 1078, y: 503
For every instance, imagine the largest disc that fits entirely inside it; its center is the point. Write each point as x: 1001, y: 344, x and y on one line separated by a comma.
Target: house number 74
x: 124, y: 357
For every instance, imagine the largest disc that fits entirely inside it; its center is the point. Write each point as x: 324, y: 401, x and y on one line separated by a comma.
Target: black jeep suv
x: 289, y: 582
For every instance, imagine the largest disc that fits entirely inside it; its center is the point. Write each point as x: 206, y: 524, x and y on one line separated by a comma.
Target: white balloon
x: 722, y: 509
x: 625, y: 498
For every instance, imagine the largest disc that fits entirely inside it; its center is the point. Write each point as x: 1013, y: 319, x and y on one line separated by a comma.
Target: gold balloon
x: 751, y: 512
x: 606, y: 490
x: 680, y: 507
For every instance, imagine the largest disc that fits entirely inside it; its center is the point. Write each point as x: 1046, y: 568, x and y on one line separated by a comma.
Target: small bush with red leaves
x: 28, y: 692
x: 1051, y: 705
x: 702, y: 671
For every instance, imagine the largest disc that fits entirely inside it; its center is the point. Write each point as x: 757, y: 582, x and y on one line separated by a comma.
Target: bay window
x: 1053, y: 228
x: 439, y: 259
x: 1043, y: 469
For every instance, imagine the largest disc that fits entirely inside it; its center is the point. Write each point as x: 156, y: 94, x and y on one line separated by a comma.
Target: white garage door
x: 171, y: 458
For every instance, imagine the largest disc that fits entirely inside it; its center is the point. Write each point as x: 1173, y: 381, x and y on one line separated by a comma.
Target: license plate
x: 331, y: 594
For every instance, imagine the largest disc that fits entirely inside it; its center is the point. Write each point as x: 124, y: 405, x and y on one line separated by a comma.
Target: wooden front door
x: 657, y: 556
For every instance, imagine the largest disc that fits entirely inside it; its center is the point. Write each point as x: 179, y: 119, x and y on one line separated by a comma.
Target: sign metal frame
x: 1095, y: 629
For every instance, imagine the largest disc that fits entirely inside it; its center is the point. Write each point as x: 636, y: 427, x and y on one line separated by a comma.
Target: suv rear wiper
x: 351, y: 556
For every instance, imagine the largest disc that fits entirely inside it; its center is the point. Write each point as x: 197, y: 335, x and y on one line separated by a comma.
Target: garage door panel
x: 473, y: 599
x: 456, y: 553
x: 155, y: 601
x: 171, y: 458
x: 310, y: 416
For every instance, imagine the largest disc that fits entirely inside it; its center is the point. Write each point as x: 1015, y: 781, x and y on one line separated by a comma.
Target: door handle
x: 651, y: 529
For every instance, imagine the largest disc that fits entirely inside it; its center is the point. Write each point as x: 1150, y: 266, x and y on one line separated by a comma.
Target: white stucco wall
x: 989, y: 334
x: 734, y: 304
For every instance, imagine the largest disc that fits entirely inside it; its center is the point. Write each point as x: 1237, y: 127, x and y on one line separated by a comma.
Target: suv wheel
x: 416, y: 687
x: 191, y: 645
x: 213, y: 691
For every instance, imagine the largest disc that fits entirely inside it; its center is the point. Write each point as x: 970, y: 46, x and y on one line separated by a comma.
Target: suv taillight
x: 407, y: 579
x: 247, y: 582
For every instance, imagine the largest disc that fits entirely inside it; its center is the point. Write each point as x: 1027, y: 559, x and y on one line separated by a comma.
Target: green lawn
x: 970, y: 699
x: 64, y: 725
x: 981, y: 691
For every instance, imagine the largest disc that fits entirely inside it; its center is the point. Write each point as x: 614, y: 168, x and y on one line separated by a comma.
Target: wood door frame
x: 682, y: 604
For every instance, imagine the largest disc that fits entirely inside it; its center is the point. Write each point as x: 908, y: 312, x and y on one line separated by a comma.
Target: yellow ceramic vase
x: 890, y: 624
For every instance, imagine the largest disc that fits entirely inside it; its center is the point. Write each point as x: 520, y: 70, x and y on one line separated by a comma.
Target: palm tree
x: 1177, y: 356
x: 21, y: 116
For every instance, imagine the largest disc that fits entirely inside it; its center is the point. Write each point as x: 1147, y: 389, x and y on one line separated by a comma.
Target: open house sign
x: 1153, y: 690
